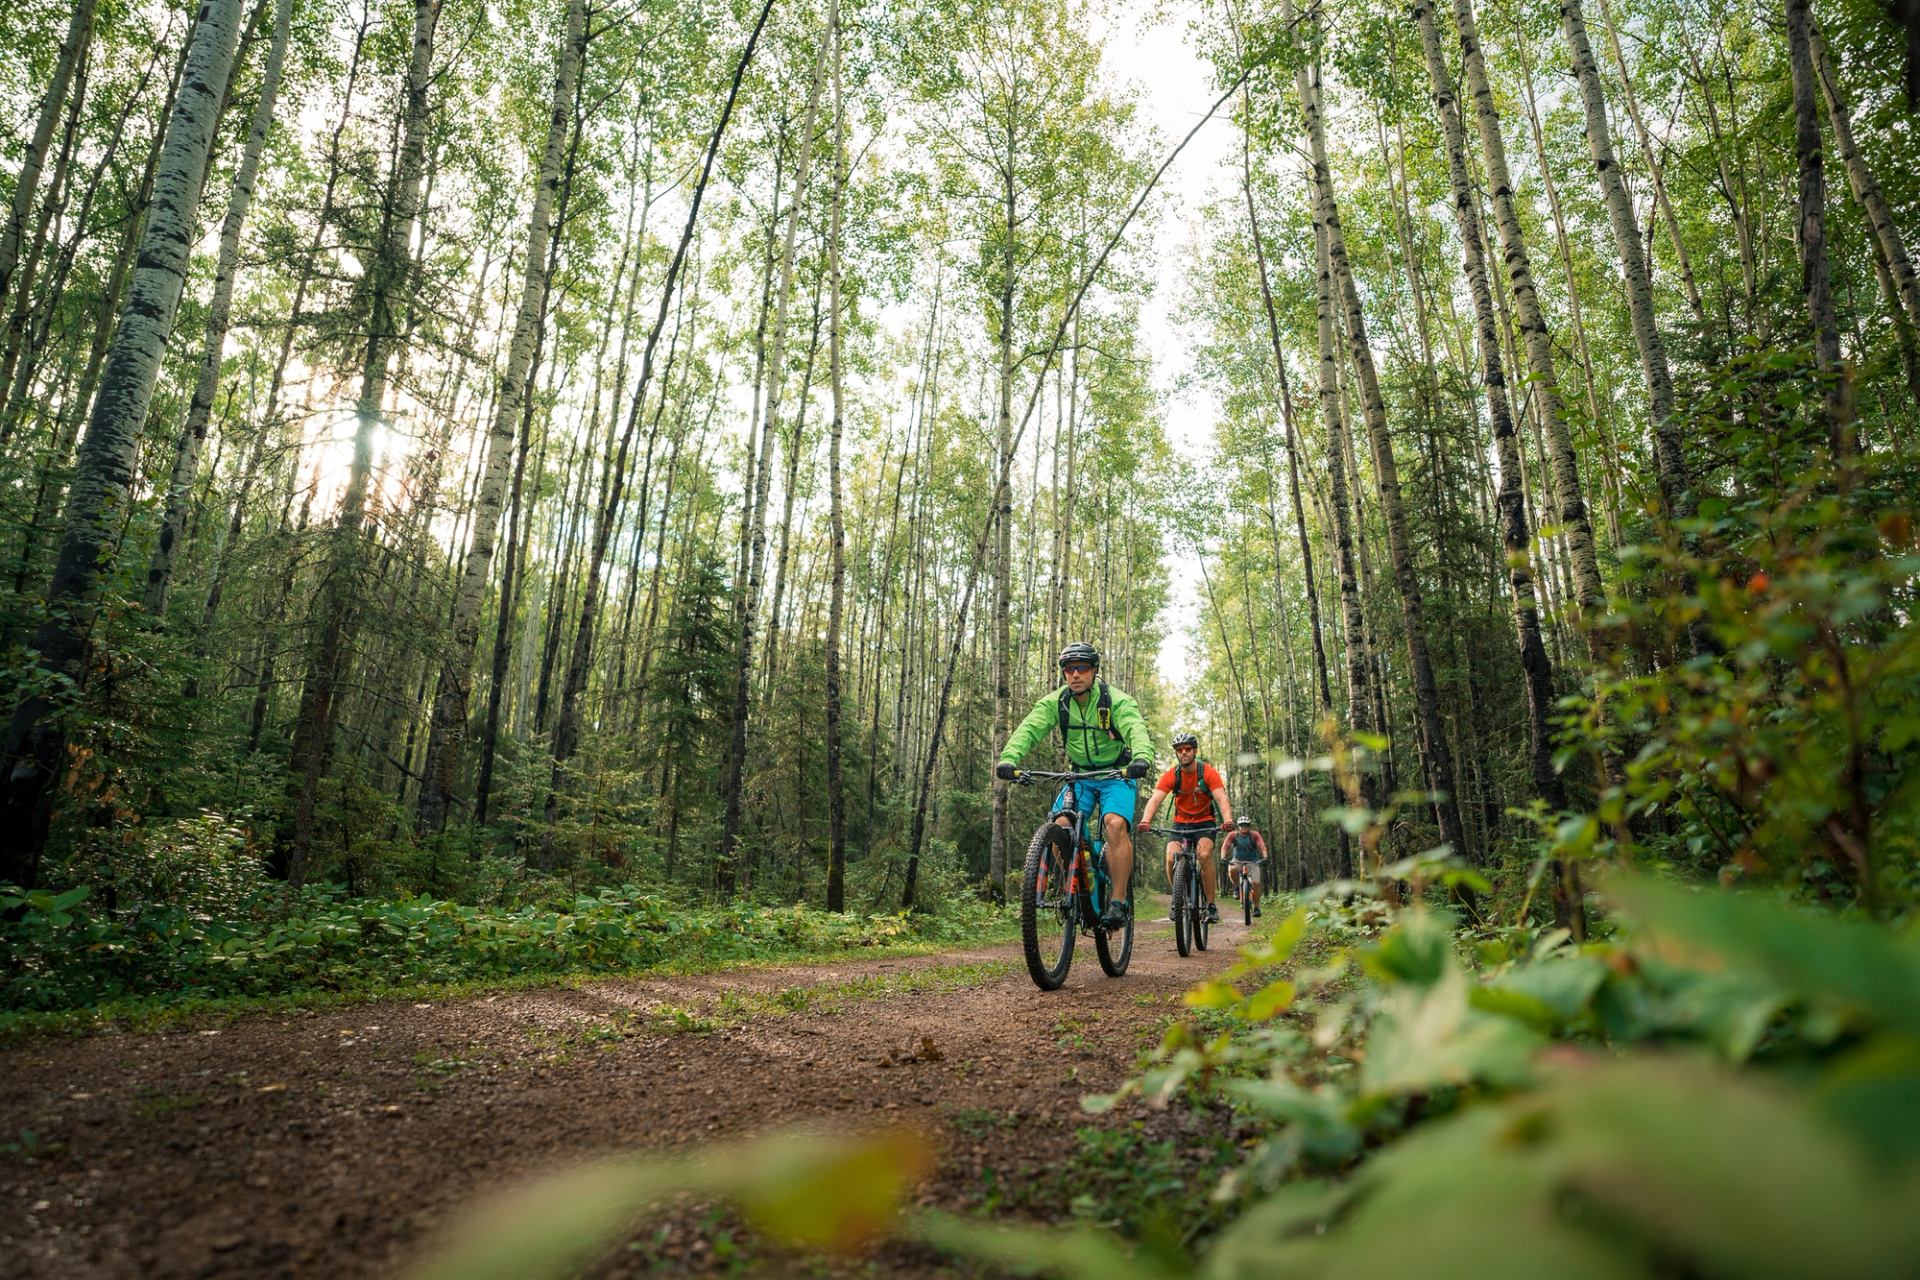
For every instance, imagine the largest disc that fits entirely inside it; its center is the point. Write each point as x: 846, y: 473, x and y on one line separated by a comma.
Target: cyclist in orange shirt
x: 1200, y: 801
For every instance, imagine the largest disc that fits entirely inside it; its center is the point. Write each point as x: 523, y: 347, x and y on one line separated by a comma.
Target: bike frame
x: 1187, y: 840
x: 1088, y: 867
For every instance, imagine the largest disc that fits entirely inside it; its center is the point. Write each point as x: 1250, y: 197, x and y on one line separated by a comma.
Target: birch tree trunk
x: 27, y: 183
x: 1815, y: 274
x: 1681, y: 262
x: 1435, y: 753
x: 836, y: 614
x: 193, y: 434
x: 1515, y: 536
x: 446, y: 738
x: 1669, y: 460
x: 1003, y: 502
x: 583, y: 645
x: 109, y: 451
x: 1286, y: 420
x: 1570, y: 497
x: 1359, y: 696
x: 1873, y: 202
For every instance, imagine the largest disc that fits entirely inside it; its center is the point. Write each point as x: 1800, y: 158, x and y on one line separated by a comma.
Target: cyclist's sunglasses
x: 1075, y: 668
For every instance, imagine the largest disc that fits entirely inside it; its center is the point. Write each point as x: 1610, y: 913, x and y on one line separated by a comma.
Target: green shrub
x: 64, y: 951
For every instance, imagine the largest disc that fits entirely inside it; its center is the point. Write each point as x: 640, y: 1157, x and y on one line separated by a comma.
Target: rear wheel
x: 1180, y: 920
x: 1046, y: 908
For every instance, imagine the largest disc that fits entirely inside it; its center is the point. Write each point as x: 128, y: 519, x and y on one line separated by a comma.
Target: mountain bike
x: 1243, y: 887
x: 1189, y: 900
x: 1065, y: 888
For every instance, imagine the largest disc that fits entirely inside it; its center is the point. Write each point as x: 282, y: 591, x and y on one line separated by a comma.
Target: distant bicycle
x: 1064, y: 889
x: 1189, y: 900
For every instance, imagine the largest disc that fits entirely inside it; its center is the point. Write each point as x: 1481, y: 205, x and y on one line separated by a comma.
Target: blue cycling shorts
x: 1112, y: 795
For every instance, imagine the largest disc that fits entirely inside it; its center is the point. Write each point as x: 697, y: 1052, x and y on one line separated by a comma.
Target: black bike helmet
x: 1186, y: 740
x: 1080, y: 651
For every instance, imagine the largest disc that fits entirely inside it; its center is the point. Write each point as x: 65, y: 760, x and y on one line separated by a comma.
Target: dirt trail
x: 328, y: 1143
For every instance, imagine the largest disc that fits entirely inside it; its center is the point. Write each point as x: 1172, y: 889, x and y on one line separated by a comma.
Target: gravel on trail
x: 335, y: 1143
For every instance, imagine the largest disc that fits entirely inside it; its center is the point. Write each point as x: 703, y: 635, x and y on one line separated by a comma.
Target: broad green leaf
x: 1426, y: 1037
x: 1321, y: 1118
x: 1419, y: 950
x: 1869, y: 969
x: 1076, y: 1253
x: 1269, y: 1000
x: 827, y: 1193
x: 1874, y: 1093
x: 1210, y: 995
x: 832, y: 1193
x: 557, y: 1225
x: 1243, y: 1251
x: 1563, y: 986
x: 1725, y: 1174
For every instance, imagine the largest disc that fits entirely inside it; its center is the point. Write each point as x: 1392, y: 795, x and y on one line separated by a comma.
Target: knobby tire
x: 1180, y: 922
x: 1114, y: 959
x: 1199, y: 908
x: 1046, y: 909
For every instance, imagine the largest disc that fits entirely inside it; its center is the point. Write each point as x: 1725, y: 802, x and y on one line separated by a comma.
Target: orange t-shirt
x: 1190, y: 803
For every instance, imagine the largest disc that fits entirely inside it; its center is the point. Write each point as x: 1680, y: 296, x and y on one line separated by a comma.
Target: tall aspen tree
x: 36, y: 742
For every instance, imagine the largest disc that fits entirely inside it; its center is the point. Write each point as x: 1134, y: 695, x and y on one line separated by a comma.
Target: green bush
x: 68, y: 951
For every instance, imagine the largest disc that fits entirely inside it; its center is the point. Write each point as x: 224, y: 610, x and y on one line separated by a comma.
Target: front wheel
x: 1199, y: 900
x: 1116, y: 949
x: 1180, y: 921
x: 1047, y: 910
x: 1246, y: 900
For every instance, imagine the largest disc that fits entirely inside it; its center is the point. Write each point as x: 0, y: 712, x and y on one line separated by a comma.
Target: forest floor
x: 339, y: 1143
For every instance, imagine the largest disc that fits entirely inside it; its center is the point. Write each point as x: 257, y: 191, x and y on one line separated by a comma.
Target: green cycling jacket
x: 1088, y: 745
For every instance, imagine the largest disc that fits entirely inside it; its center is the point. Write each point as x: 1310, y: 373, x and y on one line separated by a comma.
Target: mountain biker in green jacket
x: 1103, y: 729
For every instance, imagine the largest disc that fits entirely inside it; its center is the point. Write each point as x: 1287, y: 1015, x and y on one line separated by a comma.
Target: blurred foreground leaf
x: 817, y: 1192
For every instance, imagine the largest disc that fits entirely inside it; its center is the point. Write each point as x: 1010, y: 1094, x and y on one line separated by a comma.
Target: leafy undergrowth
x: 66, y: 965
x: 1725, y: 1088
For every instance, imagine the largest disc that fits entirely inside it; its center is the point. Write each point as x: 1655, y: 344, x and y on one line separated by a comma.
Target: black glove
x: 1003, y: 771
x: 1136, y: 768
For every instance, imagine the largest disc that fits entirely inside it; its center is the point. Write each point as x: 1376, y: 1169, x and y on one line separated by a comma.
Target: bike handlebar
x: 1028, y: 777
x: 1183, y: 833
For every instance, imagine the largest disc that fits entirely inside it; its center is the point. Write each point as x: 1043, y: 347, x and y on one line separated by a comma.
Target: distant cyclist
x: 1199, y: 803
x: 1103, y: 729
x: 1246, y: 851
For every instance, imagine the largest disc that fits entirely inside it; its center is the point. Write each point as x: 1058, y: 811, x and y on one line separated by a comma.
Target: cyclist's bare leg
x: 1119, y: 854
x: 1172, y: 846
x: 1206, y: 868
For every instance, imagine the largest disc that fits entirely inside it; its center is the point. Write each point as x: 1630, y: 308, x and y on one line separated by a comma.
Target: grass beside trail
x: 793, y: 936
x: 736, y: 1007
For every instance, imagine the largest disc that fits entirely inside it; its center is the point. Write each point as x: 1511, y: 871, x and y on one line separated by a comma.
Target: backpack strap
x: 1199, y: 783
x: 1103, y: 715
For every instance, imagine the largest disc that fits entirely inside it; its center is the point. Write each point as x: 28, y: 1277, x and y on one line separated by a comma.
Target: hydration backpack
x: 1103, y: 714
x: 1200, y: 780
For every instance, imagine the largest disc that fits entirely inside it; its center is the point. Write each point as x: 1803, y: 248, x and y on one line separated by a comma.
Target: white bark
x: 1866, y: 189
x: 1569, y: 496
x: 186, y: 461
x: 447, y: 735
x: 1669, y: 462
x: 27, y: 183
x: 104, y: 471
